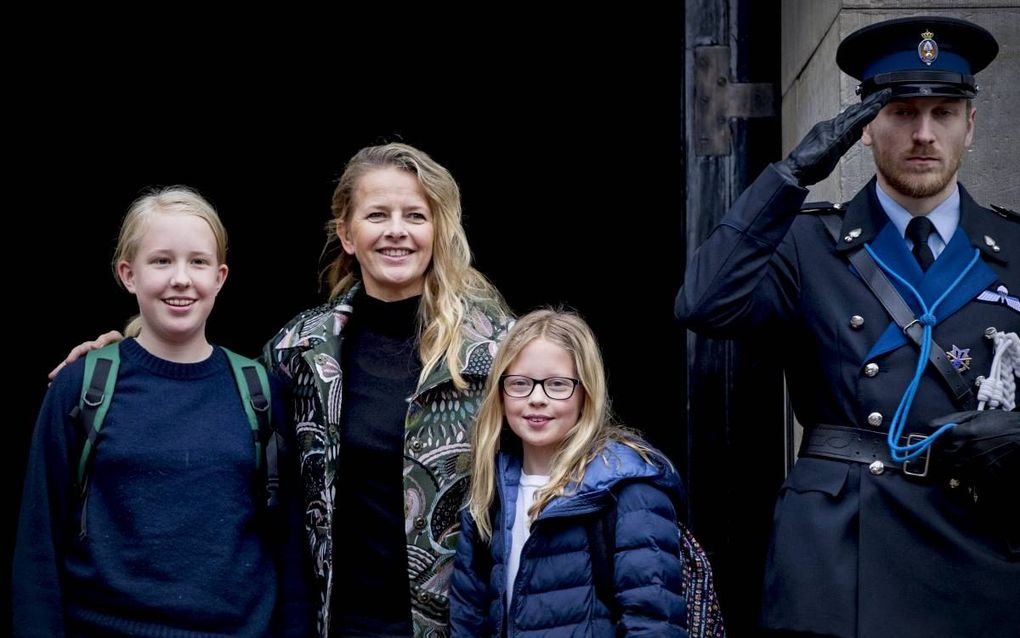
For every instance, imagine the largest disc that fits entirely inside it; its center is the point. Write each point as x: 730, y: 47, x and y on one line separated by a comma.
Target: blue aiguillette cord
x: 911, y: 451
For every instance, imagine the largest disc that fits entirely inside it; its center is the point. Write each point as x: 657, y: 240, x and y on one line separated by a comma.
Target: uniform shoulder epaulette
x: 821, y: 208
x: 1006, y: 213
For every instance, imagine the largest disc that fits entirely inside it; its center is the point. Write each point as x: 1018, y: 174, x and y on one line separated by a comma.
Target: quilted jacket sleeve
x: 470, y: 595
x: 648, y: 570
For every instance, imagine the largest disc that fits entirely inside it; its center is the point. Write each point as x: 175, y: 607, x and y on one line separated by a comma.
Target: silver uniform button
x: 871, y: 369
x: 856, y: 321
x: 875, y: 419
x: 876, y: 467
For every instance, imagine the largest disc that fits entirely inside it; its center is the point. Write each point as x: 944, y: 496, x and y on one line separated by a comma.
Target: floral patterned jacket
x: 305, y: 356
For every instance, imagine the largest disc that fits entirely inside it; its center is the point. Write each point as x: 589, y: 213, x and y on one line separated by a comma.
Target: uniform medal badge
x: 927, y: 49
x: 1000, y: 295
x: 960, y: 358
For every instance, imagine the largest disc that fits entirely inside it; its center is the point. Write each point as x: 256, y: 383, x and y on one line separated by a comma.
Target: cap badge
x: 927, y: 50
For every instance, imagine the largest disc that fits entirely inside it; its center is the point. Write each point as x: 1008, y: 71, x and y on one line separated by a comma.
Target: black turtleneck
x: 379, y: 359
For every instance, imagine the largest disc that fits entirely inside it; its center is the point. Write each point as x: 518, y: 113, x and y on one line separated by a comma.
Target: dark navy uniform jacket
x: 854, y: 553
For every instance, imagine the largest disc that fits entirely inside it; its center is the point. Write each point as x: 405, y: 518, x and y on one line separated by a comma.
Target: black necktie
x: 918, y: 231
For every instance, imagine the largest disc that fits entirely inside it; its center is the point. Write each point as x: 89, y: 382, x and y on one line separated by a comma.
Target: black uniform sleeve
x: 745, y: 273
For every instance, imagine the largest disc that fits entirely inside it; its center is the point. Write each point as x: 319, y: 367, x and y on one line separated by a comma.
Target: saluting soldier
x: 897, y: 519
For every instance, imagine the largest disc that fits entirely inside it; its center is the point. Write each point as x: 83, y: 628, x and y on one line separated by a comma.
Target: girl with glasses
x: 548, y: 460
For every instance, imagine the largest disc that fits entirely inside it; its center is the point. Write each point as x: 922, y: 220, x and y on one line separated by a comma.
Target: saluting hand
x: 819, y: 152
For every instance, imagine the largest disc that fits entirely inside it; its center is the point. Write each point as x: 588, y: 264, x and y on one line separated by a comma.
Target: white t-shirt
x: 522, y: 528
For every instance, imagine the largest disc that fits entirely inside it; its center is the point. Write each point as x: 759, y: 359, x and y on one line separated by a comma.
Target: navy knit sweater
x: 172, y: 545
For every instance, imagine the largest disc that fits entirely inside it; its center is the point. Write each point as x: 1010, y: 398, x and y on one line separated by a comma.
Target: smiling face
x: 918, y: 145
x: 542, y: 423
x: 175, y: 275
x: 390, y: 232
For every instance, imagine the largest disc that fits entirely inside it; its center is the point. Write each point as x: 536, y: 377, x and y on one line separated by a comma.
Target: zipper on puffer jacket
x: 518, y: 583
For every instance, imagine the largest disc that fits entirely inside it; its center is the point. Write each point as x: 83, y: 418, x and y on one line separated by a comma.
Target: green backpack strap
x: 253, y: 384
x: 96, y: 393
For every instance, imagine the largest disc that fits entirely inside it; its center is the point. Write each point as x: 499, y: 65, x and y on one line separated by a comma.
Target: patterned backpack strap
x: 704, y: 616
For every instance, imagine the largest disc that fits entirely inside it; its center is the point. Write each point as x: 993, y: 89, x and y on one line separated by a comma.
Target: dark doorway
x: 568, y: 145
x: 736, y: 404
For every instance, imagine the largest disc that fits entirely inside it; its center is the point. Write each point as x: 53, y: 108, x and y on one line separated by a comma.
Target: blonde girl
x: 547, y: 459
x: 166, y: 536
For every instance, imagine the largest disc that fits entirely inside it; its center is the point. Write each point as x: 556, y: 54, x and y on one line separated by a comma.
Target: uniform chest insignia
x: 960, y: 358
x: 1000, y: 295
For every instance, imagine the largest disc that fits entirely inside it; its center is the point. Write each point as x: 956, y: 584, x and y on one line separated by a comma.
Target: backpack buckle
x: 94, y: 397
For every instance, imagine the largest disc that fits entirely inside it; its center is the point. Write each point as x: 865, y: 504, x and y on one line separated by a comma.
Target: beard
x: 922, y: 181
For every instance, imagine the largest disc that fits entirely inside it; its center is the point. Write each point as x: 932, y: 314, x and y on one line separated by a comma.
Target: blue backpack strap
x: 253, y: 384
x: 96, y: 393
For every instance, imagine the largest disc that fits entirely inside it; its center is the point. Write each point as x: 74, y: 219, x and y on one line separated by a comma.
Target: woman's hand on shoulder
x: 79, y: 350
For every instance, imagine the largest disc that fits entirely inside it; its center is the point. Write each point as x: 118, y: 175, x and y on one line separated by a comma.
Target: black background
x: 565, y: 134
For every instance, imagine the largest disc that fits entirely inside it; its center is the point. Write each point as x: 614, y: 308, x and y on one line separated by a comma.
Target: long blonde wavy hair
x: 595, y: 426
x: 451, y: 282
x: 182, y: 200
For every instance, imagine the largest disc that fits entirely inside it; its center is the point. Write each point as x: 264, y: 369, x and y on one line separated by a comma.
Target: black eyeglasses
x: 518, y: 387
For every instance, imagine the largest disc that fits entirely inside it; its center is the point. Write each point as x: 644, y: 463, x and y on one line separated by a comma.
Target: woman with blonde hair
x: 386, y: 378
x: 547, y: 460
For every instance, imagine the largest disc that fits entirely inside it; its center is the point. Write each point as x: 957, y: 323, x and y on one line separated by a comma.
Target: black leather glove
x: 979, y: 462
x: 819, y: 152
x: 981, y: 450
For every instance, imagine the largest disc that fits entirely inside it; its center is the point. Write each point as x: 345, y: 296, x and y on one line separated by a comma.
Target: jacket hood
x: 617, y: 464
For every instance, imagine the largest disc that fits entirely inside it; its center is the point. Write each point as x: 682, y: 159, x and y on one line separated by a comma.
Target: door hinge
x: 717, y: 99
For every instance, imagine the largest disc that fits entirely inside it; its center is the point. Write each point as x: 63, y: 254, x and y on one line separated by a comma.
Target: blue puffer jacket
x: 554, y: 594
